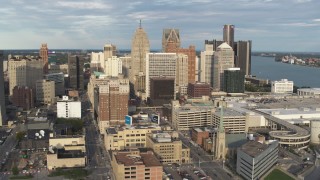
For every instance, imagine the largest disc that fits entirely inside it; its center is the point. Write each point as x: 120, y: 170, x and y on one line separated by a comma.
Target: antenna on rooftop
x: 140, y: 26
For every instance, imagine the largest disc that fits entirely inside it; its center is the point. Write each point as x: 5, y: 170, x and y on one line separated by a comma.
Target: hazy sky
x: 274, y: 25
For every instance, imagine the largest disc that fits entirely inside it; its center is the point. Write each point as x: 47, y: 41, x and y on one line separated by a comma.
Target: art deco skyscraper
x: 2, y: 99
x: 137, y: 73
x: 228, y: 34
x: 170, y: 35
x: 44, y: 57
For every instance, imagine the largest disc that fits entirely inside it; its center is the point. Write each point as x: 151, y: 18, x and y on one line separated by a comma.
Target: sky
x: 272, y: 25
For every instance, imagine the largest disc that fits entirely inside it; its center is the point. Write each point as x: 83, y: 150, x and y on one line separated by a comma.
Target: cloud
x: 83, y: 5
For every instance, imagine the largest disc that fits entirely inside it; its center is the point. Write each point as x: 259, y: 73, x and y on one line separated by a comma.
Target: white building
x: 67, y: 108
x: 207, y: 57
x: 113, y: 66
x: 283, y: 86
x: 97, y: 60
x: 308, y: 91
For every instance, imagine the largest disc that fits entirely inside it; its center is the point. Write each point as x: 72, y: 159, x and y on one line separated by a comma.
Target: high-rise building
x: 212, y: 45
x: 170, y: 35
x: 233, y: 80
x: 97, y: 61
x: 75, y: 71
x: 113, y: 103
x: 109, y: 50
x: 24, y: 72
x: 44, y: 57
x: 191, y: 53
x: 45, y: 91
x: 206, y: 61
x: 182, y: 68
x: 243, y: 56
x: 58, y: 79
x: 113, y: 66
x: 162, y: 88
x: 2, y: 97
x: 23, y: 97
x: 160, y: 65
x: 228, y: 34
x: 137, y: 72
x: 125, y: 65
x: 223, y: 59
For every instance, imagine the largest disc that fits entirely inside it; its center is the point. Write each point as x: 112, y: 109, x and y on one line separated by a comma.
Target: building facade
x: 23, y: 97
x: 170, y: 35
x: 113, y: 66
x: 198, y: 89
x: 109, y: 50
x: 243, y: 56
x: 228, y: 34
x: 75, y: 71
x: 45, y: 91
x: 206, y: 61
x: 43, y: 53
x: 234, y: 122
x: 254, y: 159
x: 58, y: 79
x: 2, y: 97
x: 282, y: 86
x: 223, y: 59
x: 97, y: 61
x: 68, y: 108
x: 233, y: 80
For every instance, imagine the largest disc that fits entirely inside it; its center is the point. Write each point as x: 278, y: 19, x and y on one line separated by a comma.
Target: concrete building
x: 282, y: 86
x: 97, y: 61
x: 308, y: 92
x: 182, y: 68
x: 75, y: 72
x: 206, y: 61
x: 254, y: 159
x: 68, y: 108
x: 228, y: 34
x: 243, y: 56
x: 58, y: 68
x: 234, y: 122
x: 23, y: 97
x: 170, y: 35
x: 168, y: 148
x: 223, y: 59
x: 160, y: 65
x: 24, y: 72
x: 135, y: 164
x: 127, y: 137
x: 233, y: 80
x: 113, y: 103
x: 198, y: 89
x: 126, y: 61
x: 113, y: 66
x: 43, y: 53
x: 192, y: 113
x: 137, y: 72
x: 109, y: 50
x: 2, y: 97
x: 58, y: 79
x: 45, y: 91
x: 315, y: 132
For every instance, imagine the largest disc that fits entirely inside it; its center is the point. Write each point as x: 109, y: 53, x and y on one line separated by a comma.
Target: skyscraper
x: 206, y: 61
x: 109, y: 50
x: 228, y: 34
x: 170, y: 35
x: 113, y: 66
x: 233, y: 80
x: 2, y: 98
x: 223, y: 59
x: 75, y: 71
x: 44, y: 57
x: 137, y: 73
x: 243, y: 56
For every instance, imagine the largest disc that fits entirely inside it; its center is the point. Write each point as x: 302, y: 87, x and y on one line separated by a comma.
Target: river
x: 268, y: 68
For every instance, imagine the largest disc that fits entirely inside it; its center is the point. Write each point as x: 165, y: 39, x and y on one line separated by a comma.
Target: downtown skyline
x: 287, y: 25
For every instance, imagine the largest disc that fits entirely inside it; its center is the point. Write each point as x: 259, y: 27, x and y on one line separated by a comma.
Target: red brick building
x: 198, y: 89
x: 23, y: 97
x: 198, y: 135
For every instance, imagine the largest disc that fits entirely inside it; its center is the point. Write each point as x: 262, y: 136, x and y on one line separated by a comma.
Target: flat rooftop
x: 128, y: 159
x: 228, y: 112
x: 253, y: 148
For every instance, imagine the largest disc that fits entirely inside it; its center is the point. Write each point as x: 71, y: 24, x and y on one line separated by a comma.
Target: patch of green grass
x: 76, y: 173
x: 278, y: 174
x: 22, y: 177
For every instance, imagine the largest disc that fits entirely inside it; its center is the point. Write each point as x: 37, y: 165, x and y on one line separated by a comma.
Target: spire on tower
x: 140, y: 26
x: 221, y: 128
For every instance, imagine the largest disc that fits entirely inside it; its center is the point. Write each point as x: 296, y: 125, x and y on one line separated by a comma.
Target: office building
x: 212, y: 45
x: 2, y: 97
x: 24, y: 71
x: 109, y: 50
x: 75, y: 71
x: 168, y: 147
x: 198, y: 89
x: 282, y: 86
x: 170, y: 35
x: 192, y: 113
x: 58, y: 79
x: 58, y: 68
x: 127, y: 137
x: 137, y: 72
x: 68, y: 108
x: 23, y: 97
x: 206, y: 61
x: 228, y: 34
x: 191, y: 53
x: 242, y: 51
x: 125, y: 65
x: 113, y: 103
x: 234, y: 122
x: 136, y: 164
x: 308, y: 92
x: 45, y: 91
x: 254, y: 159
x: 233, y: 80
x: 97, y: 61
x: 162, y: 88
x: 182, y: 68
x: 223, y: 59
x: 43, y: 53
x: 160, y: 65
x: 113, y: 66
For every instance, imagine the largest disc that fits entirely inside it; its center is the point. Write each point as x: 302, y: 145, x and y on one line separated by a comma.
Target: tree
x: 20, y: 135
x: 15, y: 170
